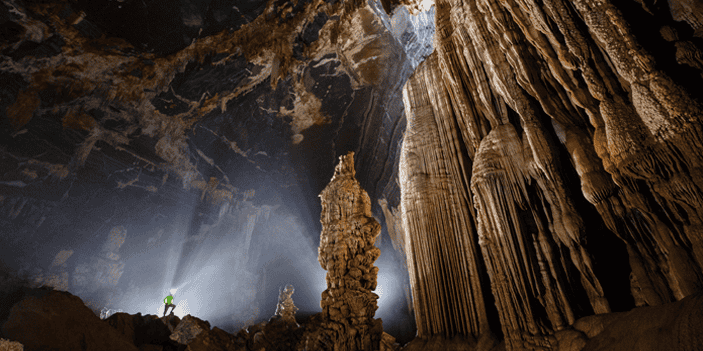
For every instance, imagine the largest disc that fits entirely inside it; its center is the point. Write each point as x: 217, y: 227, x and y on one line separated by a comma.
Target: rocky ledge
x: 47, y: 319
x: 43, y: 318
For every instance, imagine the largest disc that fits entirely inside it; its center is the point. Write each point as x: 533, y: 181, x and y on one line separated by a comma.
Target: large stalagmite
x: 347, y: 252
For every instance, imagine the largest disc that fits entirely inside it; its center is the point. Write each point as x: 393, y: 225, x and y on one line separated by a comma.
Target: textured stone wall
x: 562, y: 140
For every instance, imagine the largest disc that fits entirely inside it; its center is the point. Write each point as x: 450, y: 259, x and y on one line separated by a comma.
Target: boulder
x: 105, y: 313
x: 140, y: 329
x: 171, y: 321
x: 278, y: 334
x: 216, y: 340
x: 673, y: 326
x: 45, y: 319
x: 188, y: 329
x: 7, y: 345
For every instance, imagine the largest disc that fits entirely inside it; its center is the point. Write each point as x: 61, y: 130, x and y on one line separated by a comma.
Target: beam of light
x: 182, y: 309
x: 218, y: 280
x: 426, y: 5
x: 379, y: 291
x: 388, y: 288
x: 385, y: 287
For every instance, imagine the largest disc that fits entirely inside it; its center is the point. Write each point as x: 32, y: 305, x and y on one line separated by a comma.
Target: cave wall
x: 551, y: 166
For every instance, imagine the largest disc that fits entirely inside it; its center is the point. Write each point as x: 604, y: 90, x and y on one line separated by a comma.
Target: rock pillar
x: 347, y: 252
x: 286, y: 308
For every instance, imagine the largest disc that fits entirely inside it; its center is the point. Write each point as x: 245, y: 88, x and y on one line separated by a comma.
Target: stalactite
x: 527, y: 275
x: 440, y: 235
x: 632, y: 135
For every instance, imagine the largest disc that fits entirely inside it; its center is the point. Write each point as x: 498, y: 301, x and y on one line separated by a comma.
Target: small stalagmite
x: 286, y: 308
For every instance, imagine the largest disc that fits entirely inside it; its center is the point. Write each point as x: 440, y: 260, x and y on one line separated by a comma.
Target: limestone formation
x: 437, y: 221
x: 57, y: 276
x: 541, y: 170
x: 347, y: 252
x: 286, y: 308
x: 567, y: 149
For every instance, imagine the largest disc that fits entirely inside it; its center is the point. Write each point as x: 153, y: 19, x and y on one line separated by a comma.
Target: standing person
x: 168, y: 303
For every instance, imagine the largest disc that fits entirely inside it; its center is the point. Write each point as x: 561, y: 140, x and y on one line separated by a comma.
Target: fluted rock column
x: 443, y: 257
x: 347, y: 252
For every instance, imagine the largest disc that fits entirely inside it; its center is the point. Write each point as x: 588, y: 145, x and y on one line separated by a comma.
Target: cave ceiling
x: 199, y: 99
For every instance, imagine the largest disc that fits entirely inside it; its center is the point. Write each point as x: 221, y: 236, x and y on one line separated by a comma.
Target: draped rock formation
x: 553, y: 155
x: 347, y: 253
x: 443, y: 261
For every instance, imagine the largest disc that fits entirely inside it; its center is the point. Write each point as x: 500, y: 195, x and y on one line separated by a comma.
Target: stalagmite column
x: 347, y: 252
x: 286, y: 307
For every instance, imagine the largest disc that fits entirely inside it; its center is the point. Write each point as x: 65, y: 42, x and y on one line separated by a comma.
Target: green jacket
x: 168, y: 299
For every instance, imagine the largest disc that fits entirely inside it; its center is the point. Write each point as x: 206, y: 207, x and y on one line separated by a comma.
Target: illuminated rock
x: 347, y: 252
x: 11, y: 345
x: 188, y: 329
x: 437, y: 219
x: 114, y: 241
x: 107, y: 312
x: 286, y: 308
